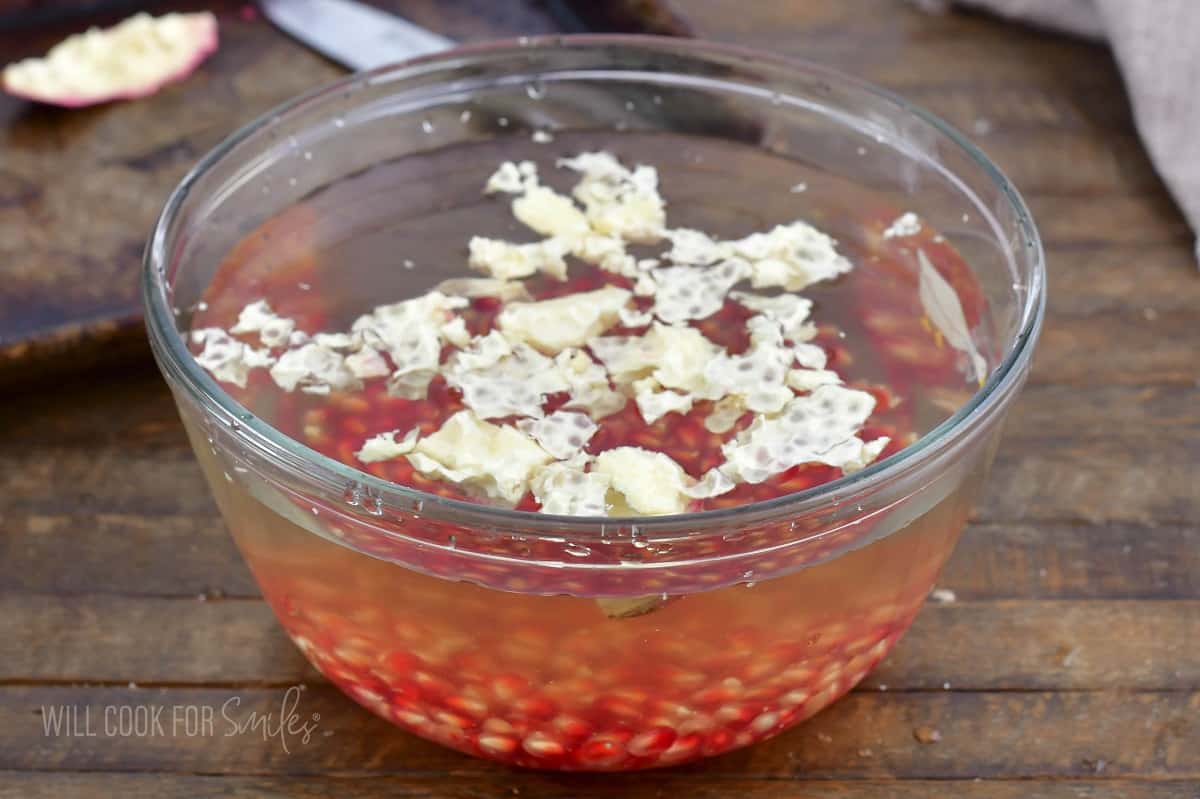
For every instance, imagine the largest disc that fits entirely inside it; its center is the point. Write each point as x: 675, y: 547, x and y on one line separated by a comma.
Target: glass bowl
x: 594, y: 643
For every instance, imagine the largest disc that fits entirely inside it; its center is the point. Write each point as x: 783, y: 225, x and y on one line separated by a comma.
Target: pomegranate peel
x: 133, y: 59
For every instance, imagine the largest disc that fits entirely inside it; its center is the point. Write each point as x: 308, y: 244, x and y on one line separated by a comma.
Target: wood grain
x: 190, y: 556
x: 1088, y: 479
x: 993, y: 735
x: 22, y: 785
x: 1003, y: 645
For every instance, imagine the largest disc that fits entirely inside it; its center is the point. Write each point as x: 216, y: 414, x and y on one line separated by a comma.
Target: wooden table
x: 1069, y: 666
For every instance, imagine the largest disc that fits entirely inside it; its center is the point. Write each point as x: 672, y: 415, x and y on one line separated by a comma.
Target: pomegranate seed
x: 404, y: 689
x: 651, y: 742
x: 735, y: 716
x: 696, y: 724
x: 618, y: 707
x: 507, y: 687
x: 572, y: 728
x: 467, y: 706
x: 497, y: 726
x: 539, y: 744
x: 718, y: 742
x: 600, y: 751
x: 830, y: 675
x: 497, y: 744
x: 432, y: 686
x: 536, y: 707
x: 794, y: 698
x: 764, y: 723
x: 449, y: 719
x: 684, y: 747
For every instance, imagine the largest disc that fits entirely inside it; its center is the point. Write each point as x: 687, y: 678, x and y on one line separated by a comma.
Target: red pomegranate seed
x: 698, y: 723
x: 536, y: 707
x: 497, y: 744
x: 684, y: 747
x: 764, y: 722
x: 718, y: 742
x: 467, y: 706
x: 618, y: 707
x: 600, y: 751
x: 735, y: 716
x: 794, y: 698
x: 449, y: 719
x: 507, y: 687
x: 539, y: 744
x: 409, y: 717
x: 497, y: 726
x: 572, y: 728
x: 651, y: 742
x: 432, y: 686
x: 400, y: 662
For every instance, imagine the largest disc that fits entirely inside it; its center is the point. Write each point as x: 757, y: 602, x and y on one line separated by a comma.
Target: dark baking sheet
x: 79, y: 189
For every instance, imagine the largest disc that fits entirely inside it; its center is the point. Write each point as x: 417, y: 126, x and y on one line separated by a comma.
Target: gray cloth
x: 1155, y: 42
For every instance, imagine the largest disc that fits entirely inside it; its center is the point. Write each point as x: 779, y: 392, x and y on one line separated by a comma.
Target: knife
x: 351, y: 33
x: 361, y: 37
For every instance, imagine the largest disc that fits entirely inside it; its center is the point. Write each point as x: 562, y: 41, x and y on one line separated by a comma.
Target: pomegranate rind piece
x: 133, y: 59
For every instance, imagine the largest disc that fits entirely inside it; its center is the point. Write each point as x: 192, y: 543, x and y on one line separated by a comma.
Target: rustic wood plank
x: 1094, y: 481
x: 1071, y: 561
x: 530, y: 785
x: 1023, y: 107
x: 904, y: 48
x: 1107, y: 276
x: 124, y: 553
x: 1062, y: 478
x: 1101, y: 221
x: 111, y: 639
x: 189, y: 556
x: 992, y: 735
x: 1001, y: 645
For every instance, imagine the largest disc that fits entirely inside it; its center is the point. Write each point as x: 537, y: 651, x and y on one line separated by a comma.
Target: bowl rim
x: 176, y: 361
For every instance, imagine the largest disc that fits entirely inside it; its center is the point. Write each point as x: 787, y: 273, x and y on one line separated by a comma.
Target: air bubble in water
x: 502, y: 122
x: 465, y: 116
x: 308, y: 155
x: 338, y: 122
x: 536, y: 90
x: 452, y: 541
x: 629, y: 105
x: 638, y: 538
x: 353, y: 494
x: 427, y: 126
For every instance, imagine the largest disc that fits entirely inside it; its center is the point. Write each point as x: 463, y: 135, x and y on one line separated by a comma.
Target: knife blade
x: 351, y: 33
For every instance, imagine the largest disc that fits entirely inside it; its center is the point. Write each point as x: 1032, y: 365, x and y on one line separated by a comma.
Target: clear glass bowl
x: 584, y: 643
